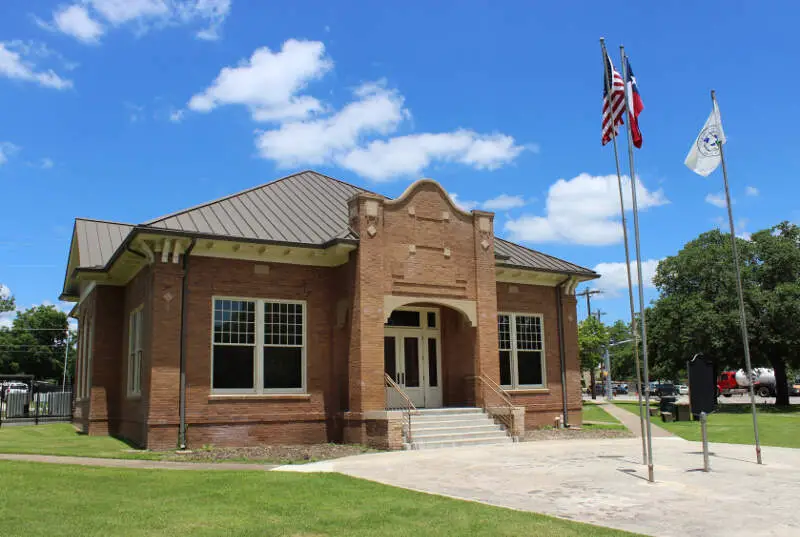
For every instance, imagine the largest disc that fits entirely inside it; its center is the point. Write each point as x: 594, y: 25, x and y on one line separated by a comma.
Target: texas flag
x: 635, y: 105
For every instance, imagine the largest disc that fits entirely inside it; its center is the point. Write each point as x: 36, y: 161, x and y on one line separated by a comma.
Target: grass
x: 62, y: 439
x: 594, y: 413
x: 733, y: 424
x: 46, y: 499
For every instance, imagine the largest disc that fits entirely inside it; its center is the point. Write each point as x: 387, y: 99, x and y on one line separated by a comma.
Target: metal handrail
x: 407, y: 408
x: 507, y: 416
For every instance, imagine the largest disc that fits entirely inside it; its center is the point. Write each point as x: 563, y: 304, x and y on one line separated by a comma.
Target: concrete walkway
x: 603, y: 482
x: 631, y: 421
x: 137, y: 463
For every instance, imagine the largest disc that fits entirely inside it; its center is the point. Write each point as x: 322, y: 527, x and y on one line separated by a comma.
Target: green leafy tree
x: 6, y: 299
x: 623, y: 365
x: 592, y: 341
x: 35, y: 344
x: 698, y: 309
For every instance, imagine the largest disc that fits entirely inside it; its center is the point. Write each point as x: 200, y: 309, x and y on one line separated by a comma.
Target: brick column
x: 164, y: 364
x: 365, y: 364
x: 487, y: 361
x: 107, y: 359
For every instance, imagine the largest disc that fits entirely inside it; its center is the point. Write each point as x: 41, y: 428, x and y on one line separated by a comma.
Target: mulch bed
x: 569, y: 434
x: 270, y: 454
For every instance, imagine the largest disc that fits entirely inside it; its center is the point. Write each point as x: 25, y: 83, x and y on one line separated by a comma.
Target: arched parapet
x: 467, y: 308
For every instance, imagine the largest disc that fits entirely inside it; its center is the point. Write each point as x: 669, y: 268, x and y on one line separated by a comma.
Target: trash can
x: 683, y: 413
x: 667, y: 404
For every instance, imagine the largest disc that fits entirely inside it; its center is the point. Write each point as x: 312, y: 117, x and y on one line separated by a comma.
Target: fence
x: 32, y: 408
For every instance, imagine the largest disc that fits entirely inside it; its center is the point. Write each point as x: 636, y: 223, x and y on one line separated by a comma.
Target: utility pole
x: 588, y: 294
x: 599, y: 314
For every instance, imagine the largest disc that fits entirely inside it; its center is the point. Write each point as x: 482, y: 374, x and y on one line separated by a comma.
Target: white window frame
x: 258, y: 355
x: 512, y: 325
x: 135, y: 351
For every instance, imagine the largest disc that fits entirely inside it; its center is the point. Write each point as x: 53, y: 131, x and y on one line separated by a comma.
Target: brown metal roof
x: 98, y: 240
x: 514, y: 255
x: 304, y: 208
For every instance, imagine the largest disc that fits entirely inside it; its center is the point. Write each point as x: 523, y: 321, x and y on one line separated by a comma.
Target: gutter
x: 562, y: 353
x: 182, y: 394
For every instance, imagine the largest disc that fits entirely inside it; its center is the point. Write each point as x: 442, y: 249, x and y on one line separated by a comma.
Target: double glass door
x: 412, y: 359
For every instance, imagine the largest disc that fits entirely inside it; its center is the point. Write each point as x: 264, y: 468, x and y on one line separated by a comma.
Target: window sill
x: 134, y: 396
x: 527, y: 391
x: 259, y: 397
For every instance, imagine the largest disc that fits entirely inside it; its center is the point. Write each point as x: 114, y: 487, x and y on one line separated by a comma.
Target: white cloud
x: 614, y: 277
x: 272, y: 86
x: 376, y: 111
x: 5, y: 292
x: 503, y: 202
x: 14, y: 65
x: 6, y: 150
x: 383, y: 160
x: 268, y: 82
x: 464, y: 205
x: 84, y: 20
x: 75, y: 21
x: 751, y: 191
x: 176, y: 116
x: 582, y: 210
x: 717, y: 200
x: 46, y: 163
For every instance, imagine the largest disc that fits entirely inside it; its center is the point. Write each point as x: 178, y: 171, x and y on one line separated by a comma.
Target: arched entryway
x: 429, y: 353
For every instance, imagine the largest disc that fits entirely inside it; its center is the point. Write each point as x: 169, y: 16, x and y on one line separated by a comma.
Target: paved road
x: 603, y: 482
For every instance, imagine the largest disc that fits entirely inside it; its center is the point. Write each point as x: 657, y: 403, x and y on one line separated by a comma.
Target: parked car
x: 794, y: 388
x: 620, y: 389
x: 682, y: 389
x: 664, y: 389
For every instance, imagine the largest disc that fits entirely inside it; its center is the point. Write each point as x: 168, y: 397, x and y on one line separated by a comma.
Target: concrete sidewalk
x: 631, y: 421
x: 603, y: 482
x: 137, y: 463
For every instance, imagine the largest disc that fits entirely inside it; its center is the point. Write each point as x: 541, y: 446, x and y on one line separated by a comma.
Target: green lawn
x: 63, y: 439
x: 593, y: 412
x: 733, y: 424
x: 47, y: 499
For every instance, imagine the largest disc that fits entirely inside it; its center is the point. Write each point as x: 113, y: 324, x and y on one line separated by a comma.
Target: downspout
x: 562, y: 353
x: 182, y: 395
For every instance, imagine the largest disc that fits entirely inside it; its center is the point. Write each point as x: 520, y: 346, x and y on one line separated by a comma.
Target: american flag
x: 613, y: 104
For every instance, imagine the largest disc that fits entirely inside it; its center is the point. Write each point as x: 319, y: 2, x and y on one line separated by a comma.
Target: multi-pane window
x: 84, y: 373
x: 521, y: 346
x: 258, y: 346
x: 135, y: 330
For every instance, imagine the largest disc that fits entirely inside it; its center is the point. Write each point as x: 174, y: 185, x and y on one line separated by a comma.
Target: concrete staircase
x: 451, y: 427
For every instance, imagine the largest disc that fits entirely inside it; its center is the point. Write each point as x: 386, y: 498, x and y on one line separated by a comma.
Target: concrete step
x: 499, y: 439
x: 458, y: 425
x: 449, y: 427
x: 438, y: 436
x: 447, y: 417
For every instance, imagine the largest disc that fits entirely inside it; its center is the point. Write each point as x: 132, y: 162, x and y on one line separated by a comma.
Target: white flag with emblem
x: 704, y: 156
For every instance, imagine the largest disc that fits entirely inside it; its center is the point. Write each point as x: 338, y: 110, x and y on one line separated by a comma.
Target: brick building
x: 309, y: 310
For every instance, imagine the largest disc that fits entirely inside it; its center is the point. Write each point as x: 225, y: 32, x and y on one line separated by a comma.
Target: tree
x: 35, y: 344
x: 592, y: 342
x: 623, y: 365
x: 6, y: 299
x: 698, y: 308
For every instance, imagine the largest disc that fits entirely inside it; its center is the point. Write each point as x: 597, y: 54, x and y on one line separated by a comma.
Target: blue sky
x: 128, y: 109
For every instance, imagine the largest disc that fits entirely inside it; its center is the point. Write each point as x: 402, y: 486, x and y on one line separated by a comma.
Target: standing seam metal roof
x: 303, y: 208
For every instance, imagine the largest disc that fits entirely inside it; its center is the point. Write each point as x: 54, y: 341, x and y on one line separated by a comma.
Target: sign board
x: 702, y: 385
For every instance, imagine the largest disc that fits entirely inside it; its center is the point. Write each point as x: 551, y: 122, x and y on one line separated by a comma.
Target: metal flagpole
x: 739, y: 289
x: 627, y: 267
x: 643, y: 322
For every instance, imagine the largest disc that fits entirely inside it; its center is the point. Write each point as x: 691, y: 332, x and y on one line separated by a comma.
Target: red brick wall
x: 106, y: 350
x: 543, y: 408
x: 458, y: 359
x: 255, y: 419
x: 132, y: 420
